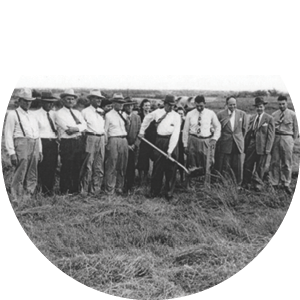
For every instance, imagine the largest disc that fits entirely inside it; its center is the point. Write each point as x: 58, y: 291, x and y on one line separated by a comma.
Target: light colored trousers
x: 92, y: 170
x: 116, y: 157
x: 24, y: 179
x: 282, y: 160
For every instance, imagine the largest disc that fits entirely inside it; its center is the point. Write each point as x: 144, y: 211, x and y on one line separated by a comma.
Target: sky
x: 159, y: 82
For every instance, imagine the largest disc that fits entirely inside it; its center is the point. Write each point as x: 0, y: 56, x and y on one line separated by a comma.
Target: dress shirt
x: 289, y: 125
x: 114, y: 124
x: 208, y: 119
x: 13, y: 129
x: 64, y: 120
x: 94, y: 121
x: 232, y: 118
x: 257, y: 116
x: 170, y: 125
x: 46, y: 131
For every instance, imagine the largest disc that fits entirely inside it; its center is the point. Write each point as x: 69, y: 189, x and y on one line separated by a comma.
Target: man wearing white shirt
x: 258, y: 145
x: 70, y: 125
x: 24, y: 147
x: 92, y: 170
x: 46, y: 118
x: 168, y: 130
x: 230, y: 146
x: 198, y: 138
x: 116, y: 151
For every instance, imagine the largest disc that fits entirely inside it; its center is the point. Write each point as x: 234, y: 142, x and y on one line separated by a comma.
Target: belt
x: 163, y: 136
x: 119, y: 136
x: 201, y: 137
x: 94, y: 134
x: 283, y: 134
x: 48, y: 139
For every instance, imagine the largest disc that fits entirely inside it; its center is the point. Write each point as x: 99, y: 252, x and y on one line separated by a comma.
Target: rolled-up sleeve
x: 175, y: 135
x: 217, y: 126
x: 186, y: 128
x: 146, y: 122
x: 9, y: 133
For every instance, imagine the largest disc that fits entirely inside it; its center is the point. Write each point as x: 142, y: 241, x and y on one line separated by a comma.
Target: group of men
x: 98, y: 149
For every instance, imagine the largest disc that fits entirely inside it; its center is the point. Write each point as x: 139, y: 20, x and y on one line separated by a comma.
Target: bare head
x: 231, y: 103
x: 282, y: 103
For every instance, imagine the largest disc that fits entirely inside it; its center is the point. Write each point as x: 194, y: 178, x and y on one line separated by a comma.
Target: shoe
x: 288, y: 190
x: 169, y: 197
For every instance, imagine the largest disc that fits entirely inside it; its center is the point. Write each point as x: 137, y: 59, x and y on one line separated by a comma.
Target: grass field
x: 138, y: 248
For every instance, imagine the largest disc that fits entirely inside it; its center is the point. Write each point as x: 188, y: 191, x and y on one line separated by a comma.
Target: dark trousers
x: 71, y: 154
x: 130, y: 172
x: 47, y: 168
x: 231, y: 161
x: 163, y: 167
x: 255, y: 166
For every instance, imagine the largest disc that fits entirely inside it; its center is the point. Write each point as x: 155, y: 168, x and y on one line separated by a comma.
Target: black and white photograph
x: 175, y: 180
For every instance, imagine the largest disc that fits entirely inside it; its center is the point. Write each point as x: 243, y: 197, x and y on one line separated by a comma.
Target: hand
x: 169, y: 156
x: 185, y: 150
x: 14, y: 160
x: 212, y: 143
x: 71, y: 130
x: 131, y: 147
x: 141, y: 136
x: 41, y: 157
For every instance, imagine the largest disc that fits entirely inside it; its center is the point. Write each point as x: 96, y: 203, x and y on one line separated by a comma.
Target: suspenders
x: 20, y: 123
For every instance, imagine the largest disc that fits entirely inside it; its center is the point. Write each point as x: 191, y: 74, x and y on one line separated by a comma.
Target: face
x: 168, y: 107
x: 118, y: 106
x: 128, y: 108
x: 47, y: 105
x: 231, y: 104
x: 95, y: 101
x: 69, y: 101
x: 282, y: 105
x: 200, y: 106
x: 146, y: 106
x: 181, y: 113
x: 24, y: 104
x: 107, y: 108
x: 260, y: 109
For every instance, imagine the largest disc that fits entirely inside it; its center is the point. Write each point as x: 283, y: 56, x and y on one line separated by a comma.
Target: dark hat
x: 105, y: 102
x: 200, y: 99
x: 259, y: 101
x: 118, y: 98
x: 128, y: 101
x: 170, y: 99
x: 48, y: 96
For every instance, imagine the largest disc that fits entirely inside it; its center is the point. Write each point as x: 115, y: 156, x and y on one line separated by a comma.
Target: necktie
x: 255, y: 126
x: 51, y: 123
x: 281, y: 118
x: 199, y: 125
x: 75, y: 118
x: 125, y: 121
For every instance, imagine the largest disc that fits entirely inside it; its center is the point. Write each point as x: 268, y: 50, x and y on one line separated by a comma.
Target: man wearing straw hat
x: 70, y: 124
x: 24, y: 147
x: 116, y: 151
x: 258, y: 145
x: 92, y: 170
x: 132, y: 127
x: 46, y: 118
x: 168, y: 130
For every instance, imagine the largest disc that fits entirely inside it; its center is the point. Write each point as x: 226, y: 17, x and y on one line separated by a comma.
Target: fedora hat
x: 95, y: 93
x: 259, y: 101
x: 128, y: 101
x: 68, y: 92
x: 48, y: 96
x: 170, y: 99
x: 26, y: 94
x: 118, y: 98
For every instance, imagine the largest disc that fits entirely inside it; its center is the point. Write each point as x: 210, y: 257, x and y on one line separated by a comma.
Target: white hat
x: 26, y: 94
x: 95, y: 93
x: 68, y: 92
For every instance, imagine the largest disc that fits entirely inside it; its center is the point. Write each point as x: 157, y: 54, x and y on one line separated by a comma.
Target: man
x: 181, y: 112
x: 70, y: 124
x: 133, y: 128
x: 286, y: 132
x: 168, y: 130
x: 92, y: 170
x: 230, y: 146
x: 198, y: 139
x: 24, y: 147
x: 106, y: 105
x: 46, y: 118
x: 116, y: 151
x: 258, y: 145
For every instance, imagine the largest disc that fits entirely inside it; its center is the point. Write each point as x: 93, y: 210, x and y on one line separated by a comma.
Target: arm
x: 296, y: 128
x: 138, y: 141
x: 81, y: 127
x: 147, y: 120
x: 185, y: 132
x: 175, y: 135
x: 9, y: 132
x: 270, y: 136
x: 244, y: 124
x: 217, y: 126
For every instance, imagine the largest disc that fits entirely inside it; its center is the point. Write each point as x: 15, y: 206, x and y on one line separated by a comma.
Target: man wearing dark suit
x: 258, y: 145
x: 133, y: 126
x: 230, y: 146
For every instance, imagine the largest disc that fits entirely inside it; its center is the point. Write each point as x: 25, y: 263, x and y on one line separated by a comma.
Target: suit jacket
x: 229, y: 134
x: 265, y: 134
x: 134, y: 129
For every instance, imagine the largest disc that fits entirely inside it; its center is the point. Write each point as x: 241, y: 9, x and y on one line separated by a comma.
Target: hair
x: 180, y: 108
x: 200, y: 99
x: 282, y: 98
x: 143, y: 102
x: 228, y: 98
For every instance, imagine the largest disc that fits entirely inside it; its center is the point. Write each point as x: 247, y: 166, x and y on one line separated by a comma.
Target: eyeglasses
x: 199, y: 126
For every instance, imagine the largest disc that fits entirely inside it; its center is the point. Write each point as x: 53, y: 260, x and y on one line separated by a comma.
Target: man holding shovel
x: 168, y: 130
